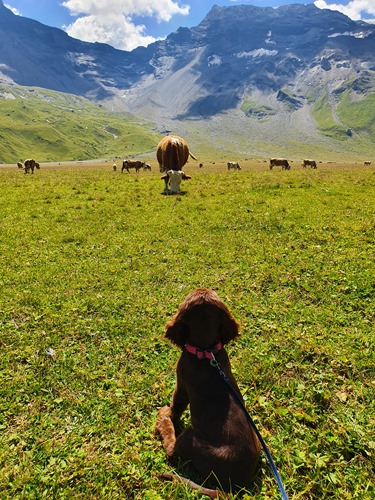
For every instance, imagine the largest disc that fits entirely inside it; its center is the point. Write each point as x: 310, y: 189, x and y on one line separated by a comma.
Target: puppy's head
x: 201, y: 320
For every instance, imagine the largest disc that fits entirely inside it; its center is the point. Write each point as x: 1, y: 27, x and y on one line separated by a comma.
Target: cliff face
x: 263, y: 69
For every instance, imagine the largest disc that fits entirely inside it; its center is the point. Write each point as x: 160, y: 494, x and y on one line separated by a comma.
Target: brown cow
x: 233, y: 165
x: 367, y: 163
x: 310, y: 163
x: 279, y: 162
x: 172, y: 153
x: 137, y: 165
x: 29, y: 165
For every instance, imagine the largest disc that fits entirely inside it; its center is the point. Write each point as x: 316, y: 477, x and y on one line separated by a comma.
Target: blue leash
x: 275, y: 472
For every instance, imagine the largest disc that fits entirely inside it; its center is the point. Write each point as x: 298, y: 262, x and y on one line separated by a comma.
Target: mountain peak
x: 256, y: 63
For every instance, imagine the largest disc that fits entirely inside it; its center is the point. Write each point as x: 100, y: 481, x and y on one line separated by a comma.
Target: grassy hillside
x: 95, y: 262
x: 353, y: 116
x: 50, y: 126
x: 326, y: 123
x: 360, y: 114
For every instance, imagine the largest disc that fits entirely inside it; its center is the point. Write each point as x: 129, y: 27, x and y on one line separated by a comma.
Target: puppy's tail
x: 220, y: 495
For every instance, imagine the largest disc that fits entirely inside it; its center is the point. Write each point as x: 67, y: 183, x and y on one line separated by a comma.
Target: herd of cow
x: 172, y: 154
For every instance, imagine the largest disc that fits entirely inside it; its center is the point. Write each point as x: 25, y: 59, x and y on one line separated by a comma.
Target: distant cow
x: 309, y: 163
x: 29, y: 165
x: 279, y: 162
x: 172, y: 179
x: 367, y: 163
x: 137, y: 165
x: 172, y: 153
x: 233, y: 165
x: 114, y: 166
x: 19, y: 164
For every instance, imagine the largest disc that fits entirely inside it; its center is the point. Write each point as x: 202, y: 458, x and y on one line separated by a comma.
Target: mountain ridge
x: 261, y: 78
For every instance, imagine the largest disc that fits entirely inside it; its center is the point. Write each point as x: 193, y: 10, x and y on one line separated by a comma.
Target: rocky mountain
x: 248, y: 76
x: 33, y: 54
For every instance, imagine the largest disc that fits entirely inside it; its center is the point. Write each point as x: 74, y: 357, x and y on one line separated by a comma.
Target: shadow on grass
x: 185, y: 473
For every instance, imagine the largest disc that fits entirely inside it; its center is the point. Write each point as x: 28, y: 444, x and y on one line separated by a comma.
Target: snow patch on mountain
x: 256, y: 53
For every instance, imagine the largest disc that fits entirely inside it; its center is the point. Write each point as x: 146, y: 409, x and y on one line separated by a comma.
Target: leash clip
x: 215, y: 364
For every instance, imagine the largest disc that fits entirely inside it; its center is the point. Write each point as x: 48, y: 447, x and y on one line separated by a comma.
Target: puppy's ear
x: 176, y: 332
x: 228, y: 327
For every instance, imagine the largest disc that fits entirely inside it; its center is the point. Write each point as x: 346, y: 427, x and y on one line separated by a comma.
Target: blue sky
x: 126, y: 24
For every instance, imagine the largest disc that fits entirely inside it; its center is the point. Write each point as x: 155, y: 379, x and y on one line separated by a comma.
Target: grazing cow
x: 137, y: 165
x: 279, y: 162
x: 172, y: 153
x: 233, y: 165
x: 367, y: 163
x: 29, y: 165
x: 172, y: 179
x: 309, y: 163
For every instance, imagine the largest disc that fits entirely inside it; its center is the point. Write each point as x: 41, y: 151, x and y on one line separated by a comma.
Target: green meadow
x: 51, y: 127
x: 56, y: 127
x: 95, y: 262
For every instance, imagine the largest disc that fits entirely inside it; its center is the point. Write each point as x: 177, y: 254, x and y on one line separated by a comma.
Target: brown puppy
x: 221, y: 444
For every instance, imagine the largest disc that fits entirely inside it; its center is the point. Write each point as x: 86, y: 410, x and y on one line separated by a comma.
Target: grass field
x: 51, y: 126
x: 93, y: 264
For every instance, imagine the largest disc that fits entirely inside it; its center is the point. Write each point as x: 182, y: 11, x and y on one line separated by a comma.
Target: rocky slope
x: 246, y: 77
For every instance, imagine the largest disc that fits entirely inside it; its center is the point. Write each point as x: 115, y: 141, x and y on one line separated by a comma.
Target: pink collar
x: 201, y: 353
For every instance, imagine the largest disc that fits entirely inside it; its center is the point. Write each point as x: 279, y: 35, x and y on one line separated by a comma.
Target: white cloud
x: 113, y: 22
x: 355, y: 9
x: 13, y: 9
